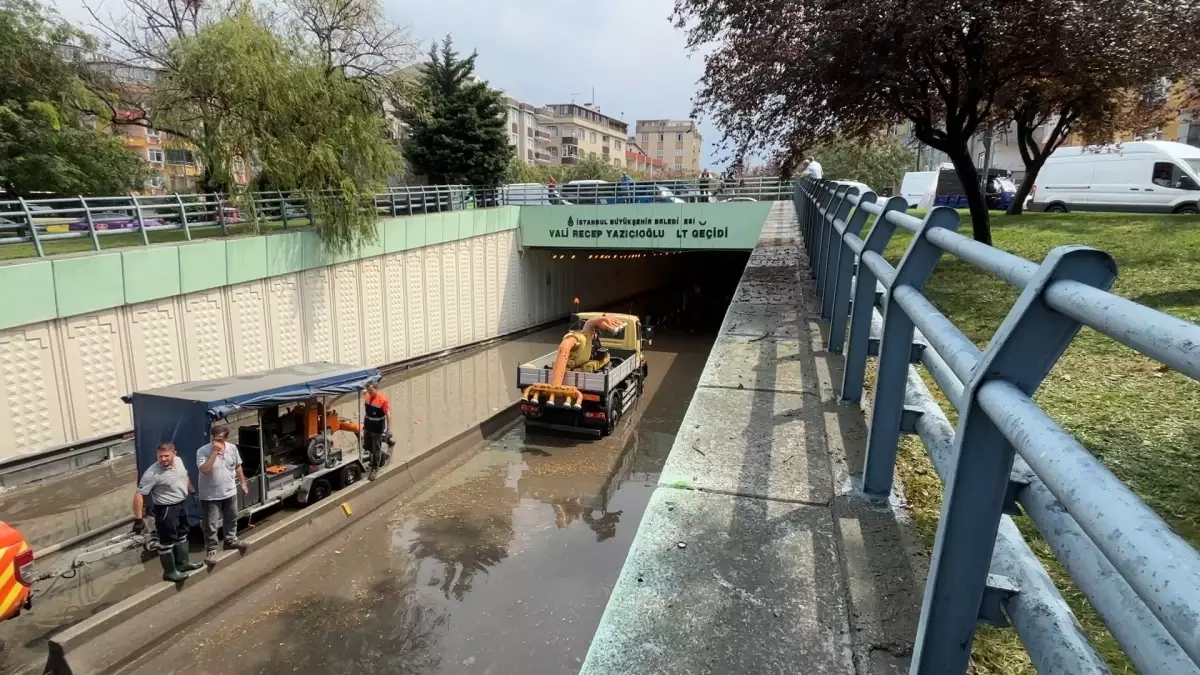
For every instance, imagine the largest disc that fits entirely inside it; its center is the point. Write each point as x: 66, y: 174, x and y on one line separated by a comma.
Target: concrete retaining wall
x: 77, y: 333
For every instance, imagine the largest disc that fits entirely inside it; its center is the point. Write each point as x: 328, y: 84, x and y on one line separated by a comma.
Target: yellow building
x: 677, y: 143
x: 579, y: 131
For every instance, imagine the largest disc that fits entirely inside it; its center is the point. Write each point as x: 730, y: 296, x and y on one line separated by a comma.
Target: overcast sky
x: 553, y: 51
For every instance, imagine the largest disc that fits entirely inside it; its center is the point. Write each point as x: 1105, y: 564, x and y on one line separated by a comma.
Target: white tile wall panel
x: 155, y: 343
x: 206, y: 353
x: 414, y: 275
x: 456, y: 420
x: 347, y: 323
x: 491, y: 284
x: 466, y: 295
x: 399, y: 394
x: 439, y: 418
x: 32, y: 409
x: 396, y: 312
x: 373, y: 313
x: 248, y: 328
x: 479, y: 288
x: 435, y: 325
x: 95, y: 363
x: 318, y: 315
x: 419, y: 403
x: 285, y: 320
x: 449, y: 306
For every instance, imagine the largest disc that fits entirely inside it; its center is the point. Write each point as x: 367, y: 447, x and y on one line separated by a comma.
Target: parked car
x: 590, y: 192
x: 531, y: 194
x: 113, y: 220
x: 232, y: 215
x: 1141, y: 177
x: 740, y: 199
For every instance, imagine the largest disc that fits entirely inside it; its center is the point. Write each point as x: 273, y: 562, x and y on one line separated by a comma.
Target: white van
x: 1139, y: 177
x: 915, y: 184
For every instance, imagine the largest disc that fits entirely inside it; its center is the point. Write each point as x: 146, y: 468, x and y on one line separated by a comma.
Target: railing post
x: 87, y: 214
x: 824, y: 204
x: 824, y: 234
x: 858, y: 346
x: 834, y: 245
x: 392, y: 200
x: 895, y: 355
x: 137, y: 208
x: 33, y: 233
x: 187, y: 231
x: 282, y: 208
x: 1024, y: 349
x: 843, y: 275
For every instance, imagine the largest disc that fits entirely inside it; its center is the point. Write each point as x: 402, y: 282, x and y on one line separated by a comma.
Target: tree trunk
x: 1017, y: 207
x: 964, y: 166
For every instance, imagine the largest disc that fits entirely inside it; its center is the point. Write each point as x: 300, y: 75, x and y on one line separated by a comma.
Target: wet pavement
x: 502, y: 562
x: 443, y: 399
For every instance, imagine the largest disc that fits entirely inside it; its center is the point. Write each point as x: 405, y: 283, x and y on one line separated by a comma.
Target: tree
x: 456, y: 122
x: 781, y: 75
x: 46, y: 144
x: 593, y: 167
x: 880, y: 163
x: 1113, y: 62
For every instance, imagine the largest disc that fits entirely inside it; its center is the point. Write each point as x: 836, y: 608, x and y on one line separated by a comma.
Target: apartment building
x: 677, y: 143
x: 578, y: 131
x: 527, y: 134
x: 636, y: 159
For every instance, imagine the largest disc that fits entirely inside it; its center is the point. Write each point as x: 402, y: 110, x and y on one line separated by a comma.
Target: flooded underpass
x: 502, y: 563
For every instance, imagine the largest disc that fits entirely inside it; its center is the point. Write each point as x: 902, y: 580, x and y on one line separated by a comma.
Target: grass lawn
x: 134, y: 238
x: 1138, y: 418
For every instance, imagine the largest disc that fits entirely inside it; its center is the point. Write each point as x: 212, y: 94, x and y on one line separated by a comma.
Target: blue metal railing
x: 1142, y: 579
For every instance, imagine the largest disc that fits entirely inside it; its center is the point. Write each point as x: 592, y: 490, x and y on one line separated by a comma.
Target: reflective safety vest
x: 375, y: 413
x: 13, y: 593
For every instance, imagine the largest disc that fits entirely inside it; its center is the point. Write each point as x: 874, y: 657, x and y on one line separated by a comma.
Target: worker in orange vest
x: 377, y: 422
x: 16, y: 572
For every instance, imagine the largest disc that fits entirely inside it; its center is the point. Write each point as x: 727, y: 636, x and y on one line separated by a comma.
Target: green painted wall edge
x: 60, y: 287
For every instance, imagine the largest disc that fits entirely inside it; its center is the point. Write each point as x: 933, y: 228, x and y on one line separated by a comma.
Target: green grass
x: 112, y: 242
x: 1137, y: 417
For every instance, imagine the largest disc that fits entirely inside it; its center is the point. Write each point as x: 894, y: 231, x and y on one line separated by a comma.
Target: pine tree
x: 456, y: 123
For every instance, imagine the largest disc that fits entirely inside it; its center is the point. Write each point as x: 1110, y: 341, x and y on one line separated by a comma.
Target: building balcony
x: 542, y: 135
x: 544, y: 115
x: 570, y: 140
x: 542, y: 158
x: 570, y: 160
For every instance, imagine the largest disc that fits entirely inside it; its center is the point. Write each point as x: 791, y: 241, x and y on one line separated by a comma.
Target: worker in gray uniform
x: 167, y: 485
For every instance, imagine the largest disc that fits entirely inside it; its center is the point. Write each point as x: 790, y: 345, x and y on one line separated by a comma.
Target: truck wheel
x: 317, y: 451
x: 349, y: 475
x: 320, y: 490
x: 610, y: 412
x: 1056, y: 208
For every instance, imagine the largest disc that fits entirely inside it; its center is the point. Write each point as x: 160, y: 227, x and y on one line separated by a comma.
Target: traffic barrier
x: 1141, y: 578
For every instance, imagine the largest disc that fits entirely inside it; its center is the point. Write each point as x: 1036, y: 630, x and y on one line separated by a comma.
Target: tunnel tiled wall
x: 85, y: 331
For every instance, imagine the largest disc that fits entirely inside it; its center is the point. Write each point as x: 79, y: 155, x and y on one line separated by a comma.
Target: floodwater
x: 502, y: 563
x: 481, y: 381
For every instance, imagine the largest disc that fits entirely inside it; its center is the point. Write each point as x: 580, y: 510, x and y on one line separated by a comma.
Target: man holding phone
x: 220, y: 476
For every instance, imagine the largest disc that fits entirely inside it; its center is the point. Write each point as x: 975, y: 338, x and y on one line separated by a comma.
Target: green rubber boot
x: 182, y: 563
x: 168, y: 564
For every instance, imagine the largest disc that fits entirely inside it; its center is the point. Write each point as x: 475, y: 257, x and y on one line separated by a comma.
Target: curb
x: 117, y: 635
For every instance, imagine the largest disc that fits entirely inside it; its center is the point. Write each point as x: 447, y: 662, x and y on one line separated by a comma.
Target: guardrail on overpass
x: 37, y: 221
x: 1142, y: 579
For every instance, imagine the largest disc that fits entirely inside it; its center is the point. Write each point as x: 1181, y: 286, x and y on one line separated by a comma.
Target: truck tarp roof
x: 268, y: 388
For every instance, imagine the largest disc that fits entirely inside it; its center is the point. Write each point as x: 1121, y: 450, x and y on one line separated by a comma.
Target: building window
x: 570, y: 150
x: 661, y: 138
x: 678, y: 166
x: 512, y: 139
x: 592, y: 137
x: 645, y: 138
x: 553, y: 131
x: 679, y: 152
x: 553, y: 150
x: 617, y: 145
x: 179, y: 157
x: 155, y: 155
x: 529, y: 131
x: 154, y: 135
x: 529, y: 155
x: 660, y: 153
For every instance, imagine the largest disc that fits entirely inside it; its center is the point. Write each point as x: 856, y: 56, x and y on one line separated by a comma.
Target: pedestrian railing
x: 37, y: 221
x: 1141, y: 578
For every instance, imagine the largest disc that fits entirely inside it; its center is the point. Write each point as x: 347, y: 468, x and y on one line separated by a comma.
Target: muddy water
x: 501, y: 564
x: 435, y: 402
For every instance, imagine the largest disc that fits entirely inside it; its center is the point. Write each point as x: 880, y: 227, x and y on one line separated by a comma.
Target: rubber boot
x: 182, y: 563
x: 168, y: 564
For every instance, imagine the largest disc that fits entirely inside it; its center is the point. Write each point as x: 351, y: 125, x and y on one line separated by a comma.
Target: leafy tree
x: 878, y: 163
x: 781, y: 74
x: 46, y: 144
x: 456, y: 122
x: 1111, y: 59
x: 594, y: 168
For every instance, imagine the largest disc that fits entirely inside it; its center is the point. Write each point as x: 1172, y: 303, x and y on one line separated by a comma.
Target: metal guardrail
x: 1141, y: 578
x: 37, y: 221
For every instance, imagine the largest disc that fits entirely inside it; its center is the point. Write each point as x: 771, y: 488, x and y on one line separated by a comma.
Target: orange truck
x: 16, y: 572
